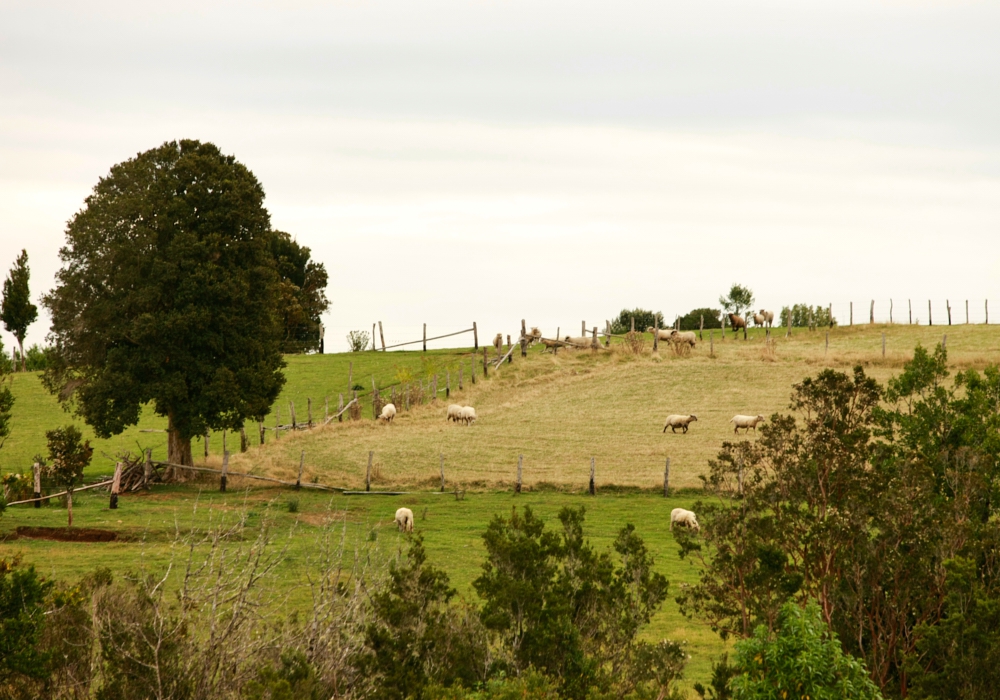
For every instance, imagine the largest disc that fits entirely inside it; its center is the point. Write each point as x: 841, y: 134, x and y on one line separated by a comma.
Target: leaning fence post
x: 368, y: 474
x: 381, y: 337
x: 225, y: 472
x: 425, y: 337
x: 147, y: 469
x: 115, y: 486
x: 37, y: 473
x: 475, y: 337
x: 666, y: 479
x: 947, y: 304
x: 520, y: 463
x: 302, y: 464
x: 593, y: 490
x: 442, y: 473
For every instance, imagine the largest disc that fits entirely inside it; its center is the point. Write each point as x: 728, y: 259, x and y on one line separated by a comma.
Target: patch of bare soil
x: 67, y: 534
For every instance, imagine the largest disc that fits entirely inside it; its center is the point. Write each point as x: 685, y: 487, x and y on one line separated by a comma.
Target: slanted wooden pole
x: 947, y: 305
x: 147, y: 469
x: 225, y: 472
x: 116, y: 483
x: 593, y: 489
x: 666, y: 479
x: 425, y: 337
x: 442, y: 473
x: 36, y: 470
x: 475, y: 337
x: 381, y: 337
x: 302, y: 464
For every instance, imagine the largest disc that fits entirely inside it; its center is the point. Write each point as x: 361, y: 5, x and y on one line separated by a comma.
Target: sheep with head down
x: 404, y: 520
x: 662, y: 333
x: 468, y: 415
x: 683, y: 517
x: 454, y: 412
x: 388, y: 413
x: 684, y: 338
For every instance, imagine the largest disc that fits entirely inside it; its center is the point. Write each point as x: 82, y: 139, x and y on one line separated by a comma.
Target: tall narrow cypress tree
x: 16, y: 308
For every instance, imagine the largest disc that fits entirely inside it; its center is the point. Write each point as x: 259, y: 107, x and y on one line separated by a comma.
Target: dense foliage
x: 738, y: 301
x: 303, y: 293
x: 858, y: 503
x: 644, y: 319
x: 805, y: 316
x: 692, y: 320
x: 70, y: 455
x: 169, y: 295
x: 16, y: 309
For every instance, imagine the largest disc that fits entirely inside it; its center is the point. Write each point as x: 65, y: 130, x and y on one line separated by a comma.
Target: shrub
x: 36, y: 358
x: 691, y: 321
x: 805, y: 316
x: 643, y: 320
x: 358, y: 340
x: 70, y: 455
x: 22, y: 616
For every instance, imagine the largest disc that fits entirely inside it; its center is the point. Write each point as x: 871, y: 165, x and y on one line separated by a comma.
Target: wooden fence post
x: 656, y: 339
x: 909, y: 305
x: 829, y: 312
x: 225, y: 472
x: 291, y: 410
x: 381, y: 337
x: 593, y: 490
x: 302, y: 464
x: 701, y: 328
x: 947, y: 304
x: 593, y: 343
x: 36, y: 470
x: 243, y: 438
x: 340, y: 409
x: 368, y: 474
x: 309, y: 412
x: 442, y: 473
x: 425, y: 337
x: 966, y: 312
x: 711, y: 343
x: 510, y: 355
x: 666, y: 479
x: 851, y: 323
x: 827, y: 350
x: 260, y: 429
x: 890, y: 311
x: 472, y: 370
x: 206, y: 444
x: 447, y: 384
x: 871, y: 313
x: 555, y: 350
x: 944, y: 342
x: 147, y: 469
x: 350, y: 376
x: 475, y: 337
x: 116, y: 486
x: 485, y: 364
x: 930, y: 320
x: 524, y: 340
x: 520, y: 462
x: 460, y: 376
x: 583, y: 328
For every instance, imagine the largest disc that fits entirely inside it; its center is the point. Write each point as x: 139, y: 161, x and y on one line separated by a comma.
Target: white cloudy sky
x: 493, y: 160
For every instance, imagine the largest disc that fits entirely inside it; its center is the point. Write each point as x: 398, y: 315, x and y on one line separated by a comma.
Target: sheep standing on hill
x: 551, y: 345
x: 683, y: 337
x: 768, y: 317
x: 758, y: 319
x: 736, y: 322
x: 468, y: 415
x: 388, y: 413
x: 578, y: 341
x: 534, y: 336
x: 675, y: 421
x: 745, y: 422
x: 663, y: 333
x: 404, y: 520
x: 684, y: 517
x: 454, y: 412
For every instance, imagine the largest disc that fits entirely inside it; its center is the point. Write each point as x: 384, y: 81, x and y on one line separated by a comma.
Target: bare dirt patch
x: 67, y: 534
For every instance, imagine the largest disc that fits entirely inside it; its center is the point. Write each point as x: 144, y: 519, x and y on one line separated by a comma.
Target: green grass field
x: 556, y: 411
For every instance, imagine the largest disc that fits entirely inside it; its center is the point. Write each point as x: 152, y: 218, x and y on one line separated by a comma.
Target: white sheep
x: 578, y: 341
x: 404, y: 519
x: 683, y: 517
x: 534, y: 336
x: 745, y: 422
x: 682, y: 337
x: 677, y: 421
x: 468, y: 415
x: 454, y: 412
x: 388, y: 413
x: 663, y: 333
x: 768, y: 317
x: 758, y: 319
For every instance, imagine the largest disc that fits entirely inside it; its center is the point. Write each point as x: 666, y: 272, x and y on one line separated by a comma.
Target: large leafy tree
x: 168, y: 294
x: 16, y: 308
x: 738, y: 301
x: 303, y: 293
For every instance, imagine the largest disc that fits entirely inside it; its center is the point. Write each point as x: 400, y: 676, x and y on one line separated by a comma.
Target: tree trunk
x: 178, y: 451
x: 24, y: 364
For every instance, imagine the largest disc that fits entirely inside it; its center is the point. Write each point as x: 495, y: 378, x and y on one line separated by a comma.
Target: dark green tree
x: 691, y: 321
x: 738, y: 301
x: 16, y: 308
x: 22, y: 618
x: 6, y: 404
x: 644, y: 319
x: 303, y: 293
x: 70, y: 455
x: 168, y: 294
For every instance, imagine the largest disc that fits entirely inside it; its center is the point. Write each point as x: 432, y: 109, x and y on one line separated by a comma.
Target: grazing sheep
x: 580, y: 341
x: 534, y: 336
x: 768, y: 317
x: 758, y: 319
x: 736, y: 322
x: 663, y: 333
x: 682, y: 337
x: 552, y: 344
x: 675, y: 422
x: 388, y: 413
x: 745, y: 422
x: 404, y: 519
x: 498, y: 342
x: 468, y: 415
x: 454, y: 412
x: 683, y: 517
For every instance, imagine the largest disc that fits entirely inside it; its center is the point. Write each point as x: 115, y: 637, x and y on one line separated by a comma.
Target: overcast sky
x: 553, y: 161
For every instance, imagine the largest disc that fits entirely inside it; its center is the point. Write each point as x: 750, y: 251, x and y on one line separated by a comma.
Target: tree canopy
x: 16, y: 308
x: 168, y: 293
x: 738, y: 301
x: 303, y: 293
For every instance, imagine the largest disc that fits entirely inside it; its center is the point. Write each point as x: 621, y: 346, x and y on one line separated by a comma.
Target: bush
x: 802, y: 314
x: 358, y: 341
x: 36, y: 358
x: 643, y: 320
x: 803, y: 659
x: 691, y: 321
x: 22, y: 617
